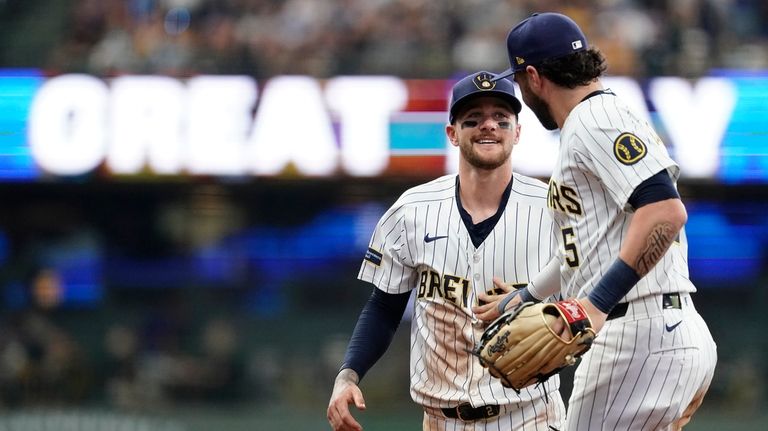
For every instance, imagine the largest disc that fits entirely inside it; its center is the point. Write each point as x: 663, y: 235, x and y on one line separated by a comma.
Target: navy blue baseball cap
x: 482, y: 84
x: 542, y: 36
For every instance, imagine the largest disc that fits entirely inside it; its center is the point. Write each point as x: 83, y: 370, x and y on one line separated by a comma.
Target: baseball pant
x: 647, y: 370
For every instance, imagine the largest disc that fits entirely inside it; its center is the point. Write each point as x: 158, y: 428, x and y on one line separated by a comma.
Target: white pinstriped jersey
x: 422, y: 243
x: 647, y: 367
x: 605, y: 152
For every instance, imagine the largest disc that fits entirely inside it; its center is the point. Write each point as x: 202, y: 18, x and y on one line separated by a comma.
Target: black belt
x: 668, y: 300
x: 466, y: 412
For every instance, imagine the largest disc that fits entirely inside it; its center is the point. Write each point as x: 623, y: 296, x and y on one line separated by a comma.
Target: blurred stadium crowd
x: 123, y: 341
x: 47, y: 359
x: 141, y: 299
x: 408, y: 38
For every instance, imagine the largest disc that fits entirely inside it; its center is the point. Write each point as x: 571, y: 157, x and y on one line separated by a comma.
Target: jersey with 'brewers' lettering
x: 606, y: 151
x: 422, y: 243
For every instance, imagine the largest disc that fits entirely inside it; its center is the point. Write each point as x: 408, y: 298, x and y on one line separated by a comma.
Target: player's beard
x: 541, y: 109
x: 477, y: 160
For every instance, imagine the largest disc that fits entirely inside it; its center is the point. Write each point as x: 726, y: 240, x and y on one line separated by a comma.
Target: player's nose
x: 488, y: 123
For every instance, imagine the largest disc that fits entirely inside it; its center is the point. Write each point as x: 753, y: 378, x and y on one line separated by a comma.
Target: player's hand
x: 489, y: 311
x: 560, y: 328
x: 345, y: 392
x: 595, y: 315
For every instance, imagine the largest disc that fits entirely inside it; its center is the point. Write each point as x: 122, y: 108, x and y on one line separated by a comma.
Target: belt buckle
x: 490, y: 412
x: 462, y: 407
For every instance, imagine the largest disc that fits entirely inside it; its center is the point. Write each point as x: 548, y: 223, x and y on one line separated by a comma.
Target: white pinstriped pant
x: 644, y: 369
x: 538, y: 415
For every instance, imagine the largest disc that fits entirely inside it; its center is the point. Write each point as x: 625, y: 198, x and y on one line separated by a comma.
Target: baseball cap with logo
x: 542, y: 36
x: 481, y: 84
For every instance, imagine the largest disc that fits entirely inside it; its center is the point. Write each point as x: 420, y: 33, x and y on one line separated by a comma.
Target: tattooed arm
x: 651, y: 232
x: 653, y: 229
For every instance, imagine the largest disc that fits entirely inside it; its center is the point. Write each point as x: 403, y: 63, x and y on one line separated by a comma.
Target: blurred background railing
x: 188, y: 186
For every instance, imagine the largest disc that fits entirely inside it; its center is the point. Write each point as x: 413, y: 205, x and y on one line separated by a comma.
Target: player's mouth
x: 487, y: 141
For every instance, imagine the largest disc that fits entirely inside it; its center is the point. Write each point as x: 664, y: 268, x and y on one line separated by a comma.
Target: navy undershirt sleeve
x: 375, y: 328
x: 654, y: 189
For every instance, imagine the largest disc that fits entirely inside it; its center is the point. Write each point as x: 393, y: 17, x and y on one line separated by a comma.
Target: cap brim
x: 505, y: 74
x: 459, y: 104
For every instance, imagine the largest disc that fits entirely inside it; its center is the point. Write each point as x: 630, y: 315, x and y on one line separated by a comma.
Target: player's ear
x: 450, y: 132
x: 534, y: 79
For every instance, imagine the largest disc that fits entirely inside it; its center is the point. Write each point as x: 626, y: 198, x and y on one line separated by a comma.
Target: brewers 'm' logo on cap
x: 483, y: 81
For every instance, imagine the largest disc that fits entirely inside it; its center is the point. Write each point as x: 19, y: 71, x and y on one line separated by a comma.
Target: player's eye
x: 469, y: 124
x: 505, y: 124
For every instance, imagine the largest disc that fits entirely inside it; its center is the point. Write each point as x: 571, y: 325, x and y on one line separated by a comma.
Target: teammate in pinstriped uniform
x: 619, y: 222
x: 447, y: 240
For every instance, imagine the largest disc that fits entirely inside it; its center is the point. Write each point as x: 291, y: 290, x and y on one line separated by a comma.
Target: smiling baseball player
x: 619, y: 223
x: 448, y: 240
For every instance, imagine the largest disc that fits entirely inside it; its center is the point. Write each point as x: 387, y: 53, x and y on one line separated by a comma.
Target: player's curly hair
x: 574, y: 70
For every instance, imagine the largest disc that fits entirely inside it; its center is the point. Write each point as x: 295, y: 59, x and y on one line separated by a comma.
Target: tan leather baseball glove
x: 532, y: 342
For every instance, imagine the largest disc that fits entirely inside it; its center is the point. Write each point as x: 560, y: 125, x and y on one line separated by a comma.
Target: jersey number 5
x: 571, y: 252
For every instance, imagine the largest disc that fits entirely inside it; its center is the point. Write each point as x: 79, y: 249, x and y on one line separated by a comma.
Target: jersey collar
x: 478, y: 232
x: 607, y: 91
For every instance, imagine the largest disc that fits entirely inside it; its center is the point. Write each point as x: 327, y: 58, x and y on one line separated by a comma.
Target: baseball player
x: 450, y: 240
x: 619, y: 223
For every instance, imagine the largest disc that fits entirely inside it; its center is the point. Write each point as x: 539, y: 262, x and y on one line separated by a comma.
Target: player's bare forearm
x: 345, y: 392
x: 650, y: 234
x: 652, y: 231
x: 659, y: 239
